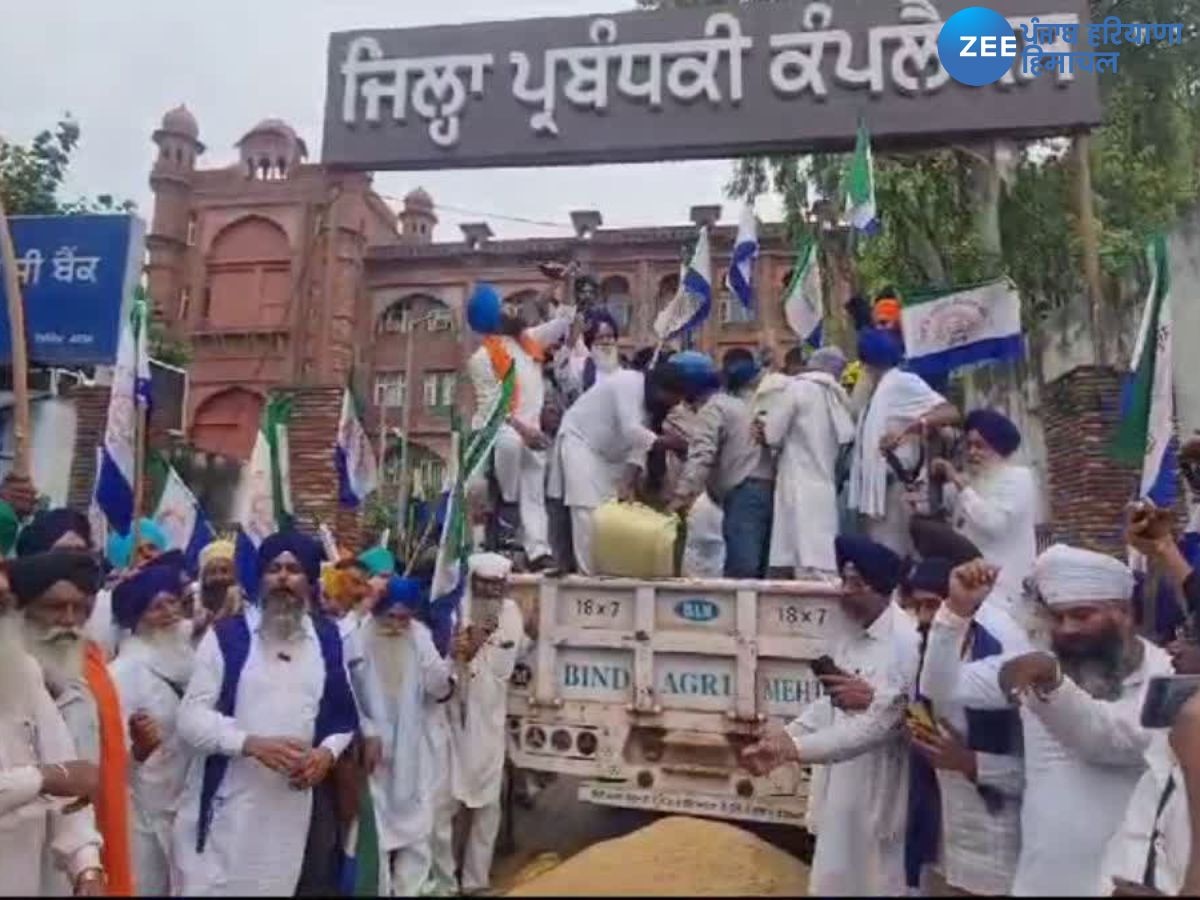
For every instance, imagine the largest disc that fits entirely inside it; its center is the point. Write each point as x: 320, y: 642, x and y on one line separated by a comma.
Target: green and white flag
x: 263, y: 503
x: 860, y: 185
x: 803, y: 306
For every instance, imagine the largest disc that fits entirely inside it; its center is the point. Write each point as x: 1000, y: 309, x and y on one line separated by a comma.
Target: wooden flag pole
x: 20, y: 359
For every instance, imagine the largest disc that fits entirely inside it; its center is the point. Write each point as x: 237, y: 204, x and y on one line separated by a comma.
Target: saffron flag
x: 182, y: 520
x: 1147, y: 403
x: 263, y: 502
x: 948, y: 330
x: 358, y: 474
x: 803, y: 306
x: 740, y: 279
x: 693, y: 301
x: 130, y: 396
x: 860, y: 185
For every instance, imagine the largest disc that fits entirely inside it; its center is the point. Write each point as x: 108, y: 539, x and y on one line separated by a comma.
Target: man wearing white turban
x: 1085, y: 748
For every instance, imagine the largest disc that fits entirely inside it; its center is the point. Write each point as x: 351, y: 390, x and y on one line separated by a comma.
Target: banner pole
x: 20, y: 359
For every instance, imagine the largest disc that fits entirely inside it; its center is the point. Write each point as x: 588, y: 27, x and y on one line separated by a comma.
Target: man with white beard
x: 486, y: 651
x: 39, y: 763
x: 151, y: 675
x: 415, y: 680
x: 267, y: 712
x: 56, y: 592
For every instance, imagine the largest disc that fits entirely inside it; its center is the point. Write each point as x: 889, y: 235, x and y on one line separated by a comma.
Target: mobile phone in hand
x: 1165, y: 697
x: 824, y: 665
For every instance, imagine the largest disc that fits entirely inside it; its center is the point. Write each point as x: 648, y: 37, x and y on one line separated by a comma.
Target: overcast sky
x: 118, y: 66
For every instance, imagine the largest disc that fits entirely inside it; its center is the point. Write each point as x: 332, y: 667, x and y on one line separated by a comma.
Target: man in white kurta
x: 486, y: 651
x: 980, y: 770
x: 859, y: 809
x: 1085, y: 748
x: 151, y: 675
x: 520, y: 451
x: 254, y: 842
x: 602, y: 436
x: 996, y: 503
x: 807, y: 427
x: 901, y: 409
x: 414, y: 681
x: 43, y: 849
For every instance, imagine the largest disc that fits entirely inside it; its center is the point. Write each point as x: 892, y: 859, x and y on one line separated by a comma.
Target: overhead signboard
x: 712, y: 81
x: 77, y: 274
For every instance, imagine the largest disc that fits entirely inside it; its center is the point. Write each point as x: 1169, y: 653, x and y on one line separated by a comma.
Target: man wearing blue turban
x: 268, y: 712
x: 519, y: 455
x: 415, y: 681
x: 900, y: 410
x: 151, y: 675
x: 855, y: 732
x: 996, y: 504
x: 726, y: 459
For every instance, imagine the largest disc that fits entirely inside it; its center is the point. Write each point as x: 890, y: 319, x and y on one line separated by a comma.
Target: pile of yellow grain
x: 675, y: 857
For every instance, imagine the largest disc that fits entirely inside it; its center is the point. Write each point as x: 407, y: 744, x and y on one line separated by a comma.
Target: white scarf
x: 837, y: 403
x: 401, y: 732
x: 898, y: 396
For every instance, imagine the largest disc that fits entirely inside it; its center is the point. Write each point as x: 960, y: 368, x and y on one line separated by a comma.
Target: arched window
x: 249, y: 275
x: 615, y: 295
x: 227, y: 422
x: 429, y: 313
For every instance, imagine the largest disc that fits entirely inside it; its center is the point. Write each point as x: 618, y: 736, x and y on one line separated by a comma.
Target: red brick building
x: 280, y: 273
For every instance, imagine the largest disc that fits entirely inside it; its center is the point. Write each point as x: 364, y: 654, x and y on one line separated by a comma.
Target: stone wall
x: 312, y: 434
x: 91, y: 411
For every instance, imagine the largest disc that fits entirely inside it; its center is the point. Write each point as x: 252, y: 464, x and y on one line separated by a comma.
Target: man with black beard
x: 268, y: 711
x: 151, y: 674
x: 1085, y: 748
x: 220, y: 594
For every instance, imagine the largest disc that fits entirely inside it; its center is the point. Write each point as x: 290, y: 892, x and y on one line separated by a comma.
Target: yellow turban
x: 217, y: 550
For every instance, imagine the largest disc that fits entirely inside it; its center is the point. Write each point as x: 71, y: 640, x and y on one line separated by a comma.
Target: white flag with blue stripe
x: 354, y: 457
x: 182, y: 520
x: 803, y: 305
x: 693, y: 302
x: 740, y: 279
x: 130, y: 393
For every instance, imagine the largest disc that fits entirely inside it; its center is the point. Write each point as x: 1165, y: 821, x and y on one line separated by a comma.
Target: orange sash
x: 502, y: 360
x: 112, y: 801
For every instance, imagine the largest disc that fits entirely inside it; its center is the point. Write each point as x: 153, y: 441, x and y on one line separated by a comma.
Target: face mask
x: 606, y: 358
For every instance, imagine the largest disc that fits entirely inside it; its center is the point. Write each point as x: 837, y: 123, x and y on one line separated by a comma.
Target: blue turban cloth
x: 31, y: 576
x: 995, y: 428
x: 307, y: 550
x: 133, y: 596
x: 931, y: 576
x: 120, y: 547
x: 695, y: 372
x: 483, y: 309
x: 402, y: 591
x: 878, y: 566
x: 880, y: 348
x: 47, y: 527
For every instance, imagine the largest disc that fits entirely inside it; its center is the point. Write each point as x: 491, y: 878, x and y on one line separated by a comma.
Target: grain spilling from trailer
x: 675, y: 857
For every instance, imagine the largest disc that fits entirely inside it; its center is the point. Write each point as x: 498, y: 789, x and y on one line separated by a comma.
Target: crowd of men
x: 166, y: 732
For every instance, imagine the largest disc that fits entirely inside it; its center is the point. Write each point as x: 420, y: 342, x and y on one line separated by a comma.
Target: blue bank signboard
x: 77, y: 274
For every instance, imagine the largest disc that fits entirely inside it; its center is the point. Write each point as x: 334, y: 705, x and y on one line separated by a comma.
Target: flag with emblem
x: 263, y: 501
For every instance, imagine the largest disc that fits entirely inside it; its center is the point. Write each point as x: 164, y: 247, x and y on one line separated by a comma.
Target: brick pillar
x: 1088, y: 488
x: 312, y: 435
x: 91, y: 411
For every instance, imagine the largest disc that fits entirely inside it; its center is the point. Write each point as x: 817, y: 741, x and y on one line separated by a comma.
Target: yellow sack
x: 633, y: 541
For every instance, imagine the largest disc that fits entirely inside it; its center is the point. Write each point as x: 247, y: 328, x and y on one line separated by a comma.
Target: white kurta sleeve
x: 1100, y: 732
x: 437, y: 673
x: 550, y: 332
x: 853, y: 735
x: 74, y: 840
x: 630, y: 399
x: 993, y: 512
x: 777, y: 421
x: 946, y: 679
x: 19, y: 786
x: 484, y: 382
x: 498, y: 657
x: 199, y: 725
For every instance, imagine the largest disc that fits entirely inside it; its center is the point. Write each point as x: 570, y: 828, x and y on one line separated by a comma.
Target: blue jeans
x: 747, y: 528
